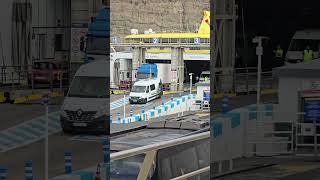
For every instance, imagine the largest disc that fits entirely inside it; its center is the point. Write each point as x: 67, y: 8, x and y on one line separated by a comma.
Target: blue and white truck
x: 98, y: 37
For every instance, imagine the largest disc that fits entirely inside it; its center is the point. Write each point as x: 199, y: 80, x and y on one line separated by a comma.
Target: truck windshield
x: 301, y: 44
x: 88, y: 87
x: 127, y: 169
x: 138, y: 89
x: 204, y: 77
x: 97, y: 45
x: 144, y: 76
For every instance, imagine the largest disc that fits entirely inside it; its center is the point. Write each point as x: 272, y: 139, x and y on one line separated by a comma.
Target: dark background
x: 277, y: 19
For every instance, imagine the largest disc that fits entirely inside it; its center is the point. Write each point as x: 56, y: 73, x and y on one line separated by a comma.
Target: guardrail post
x: 67, y: 162
x: 225, y: 104
x: 131, y: 113
x: 247, y: 81
x: 105, y: 148
x: 51, y: 80
x: 3, y: 173
x: 32, y: 81
x: 119, y: 122
x: 19, y: 74
x: 142, y: 112
x: 28, y: 168
x: 61, y: 75
x: 12, y: 79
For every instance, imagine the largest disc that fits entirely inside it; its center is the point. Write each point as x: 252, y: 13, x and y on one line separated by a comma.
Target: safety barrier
x: 23, y: 96
x: 176, y: 105
x: 100, y: 172
x: 118, y: 92
x: 248, y: 131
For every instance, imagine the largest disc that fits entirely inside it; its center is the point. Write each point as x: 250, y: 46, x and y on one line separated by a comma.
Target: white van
x: 144, y: 91
x: 299, y: 42
x: 205, y: 75
x: 85, y: 106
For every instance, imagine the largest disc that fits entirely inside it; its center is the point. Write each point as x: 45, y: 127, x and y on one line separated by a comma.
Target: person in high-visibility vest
x: 307, y: 54
x: 279, y: 52
x: 278, y: 57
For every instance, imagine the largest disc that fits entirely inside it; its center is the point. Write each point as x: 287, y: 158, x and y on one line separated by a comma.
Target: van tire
x: 160, y: 95
x: 65, y: 131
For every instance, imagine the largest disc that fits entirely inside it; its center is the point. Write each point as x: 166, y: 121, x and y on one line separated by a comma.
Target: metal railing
x: 243, y: 80
x: 150, y: 152
x: 14, y: 75
x: 201, y: 40
x: 22, y: 77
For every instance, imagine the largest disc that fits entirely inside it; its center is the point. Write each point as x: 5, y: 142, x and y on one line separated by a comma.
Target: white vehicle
x: 86, y: 104
x: 300, y: 41
x: 144, y: 91
x: 163, y: 73
x: 205, y: 75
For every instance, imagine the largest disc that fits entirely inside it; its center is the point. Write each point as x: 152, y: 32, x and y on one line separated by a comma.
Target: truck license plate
x: 80, y: 124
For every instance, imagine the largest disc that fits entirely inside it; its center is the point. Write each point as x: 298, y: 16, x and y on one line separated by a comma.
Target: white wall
x: 288, y: 95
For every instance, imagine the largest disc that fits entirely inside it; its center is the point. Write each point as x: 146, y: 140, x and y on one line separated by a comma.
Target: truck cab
x: 147, y: 71
x: 98, y: 37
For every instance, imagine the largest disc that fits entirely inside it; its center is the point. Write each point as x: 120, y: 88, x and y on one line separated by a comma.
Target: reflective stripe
x: 307, y: 55
x: 28, y: 168
x: 68, y: 164
x: 279, y: 53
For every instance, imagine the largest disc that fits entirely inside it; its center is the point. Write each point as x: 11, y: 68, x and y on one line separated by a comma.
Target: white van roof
x: 94, y: 69
x: 205, y: 72
x: 308, y: 34
x: 146, y: 82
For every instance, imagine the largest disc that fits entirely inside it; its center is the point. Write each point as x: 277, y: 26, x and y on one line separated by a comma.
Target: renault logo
x: 79, y: 112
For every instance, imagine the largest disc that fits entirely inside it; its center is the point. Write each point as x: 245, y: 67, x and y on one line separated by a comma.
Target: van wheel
x: 66, y: 131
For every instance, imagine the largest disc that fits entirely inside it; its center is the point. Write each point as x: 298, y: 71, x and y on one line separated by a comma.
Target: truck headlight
x: 101, y: 112
x: 63, y: 114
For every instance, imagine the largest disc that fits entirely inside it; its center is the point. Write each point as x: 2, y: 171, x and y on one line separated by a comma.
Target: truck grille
x: 85, y: 116
x: 135, y: 98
